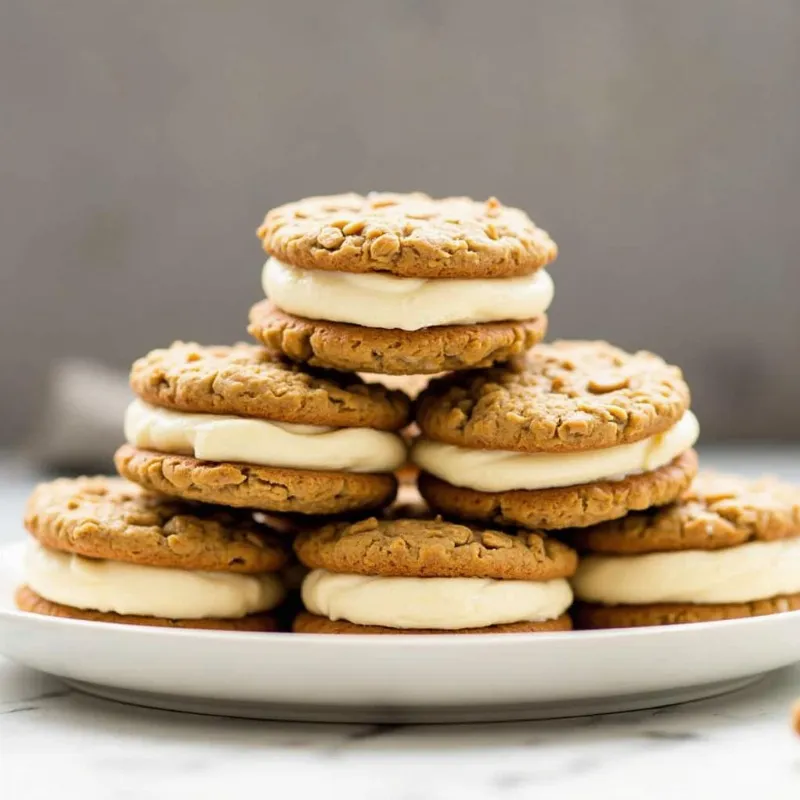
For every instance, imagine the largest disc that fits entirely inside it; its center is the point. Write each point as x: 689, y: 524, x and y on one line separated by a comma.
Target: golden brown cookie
x: 562, y: 397
x: 110, y: 518
x: 340, y: 345
x: 306, y: 622
x: 716, y: 511
x: 249, y: 486
x: 567, y: 507
x: 27, y: 600
x: 591, y: 615
x: 433, y: 548
x: 796, y: 717
x: 408, y: 235
x: 245, y: 380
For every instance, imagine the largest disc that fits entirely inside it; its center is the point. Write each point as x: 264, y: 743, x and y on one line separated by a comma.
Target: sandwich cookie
x: 396, y: 576
x: 107, y: 551
x: 578, y: 433
x: 402, y: 283
x: 730, y: 548
x: 234, y: 426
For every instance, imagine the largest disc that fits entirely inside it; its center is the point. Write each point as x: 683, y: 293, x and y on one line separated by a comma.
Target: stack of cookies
x: 214, y: 434
x: 527, y: 454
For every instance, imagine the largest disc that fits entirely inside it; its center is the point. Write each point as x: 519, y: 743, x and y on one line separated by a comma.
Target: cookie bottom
x: 390, y: 351
x: 593, y: 615
x: 305, y: 622
x: 249, y: 486
x: 28, y: 600
x: 566, y: 507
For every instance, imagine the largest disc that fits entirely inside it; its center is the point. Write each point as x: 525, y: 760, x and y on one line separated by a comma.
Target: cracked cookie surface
x: 716, y: 511
x: 563, y: 397
x: 567, y: 507
x: 276, y: 489
x: 433, y: 548
x: 408, y: 235
x: 246, y: 380
x: 110, y: 518
x: 343, y: 346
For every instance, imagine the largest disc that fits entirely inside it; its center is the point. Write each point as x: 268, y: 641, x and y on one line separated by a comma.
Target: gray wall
x: 140, y: 144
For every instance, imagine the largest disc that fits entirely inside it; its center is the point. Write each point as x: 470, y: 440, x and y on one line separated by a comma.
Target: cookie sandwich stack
x: 527, y: 454
x: 405, y: 285
x: 215, y: 435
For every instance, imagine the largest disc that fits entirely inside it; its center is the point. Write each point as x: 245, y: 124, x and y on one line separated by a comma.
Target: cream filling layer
x: 436, y: 603
x: 213, y: 437
x: 505, y: 470
x: 386, y: 301
x: 114, y: 586
x: 741, y: 574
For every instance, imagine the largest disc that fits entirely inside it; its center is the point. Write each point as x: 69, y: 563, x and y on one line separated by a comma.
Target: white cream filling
x: 505, y: 470
x: 386, y: 301
x: 215, y: 437
x: 436, y: 603
x: 114, y: 586
x: 741, y: 574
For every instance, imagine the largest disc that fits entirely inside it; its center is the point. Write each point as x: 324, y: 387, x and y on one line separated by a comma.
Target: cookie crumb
x: 796, y: 717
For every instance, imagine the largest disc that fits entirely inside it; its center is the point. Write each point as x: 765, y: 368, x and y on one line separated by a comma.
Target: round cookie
x: 716, y: 511
x: 339, y: 345
x: 433, y: 548
x: 306, y: 622
x: 108, y: 551
x: 250, y: 486
x: 743, y: 534
x: 27, y: 600
x: 564, y: 397
x: 574, y: 434
x: 245, y: 380
x: 593, y: 615
x: 563, y: 507
x: 407, y: 235
x: 109, y: 518
x: 230, y: 426
x: 420, y: 574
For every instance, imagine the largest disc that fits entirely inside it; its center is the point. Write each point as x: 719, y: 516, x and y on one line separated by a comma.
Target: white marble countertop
x: 58, y: 743
x: 55, y: 742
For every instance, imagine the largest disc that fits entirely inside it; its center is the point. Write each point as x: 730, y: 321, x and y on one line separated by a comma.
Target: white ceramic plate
x: 395, y: 678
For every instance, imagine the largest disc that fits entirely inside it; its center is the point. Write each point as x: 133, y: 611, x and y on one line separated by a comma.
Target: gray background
x: 140, y: 144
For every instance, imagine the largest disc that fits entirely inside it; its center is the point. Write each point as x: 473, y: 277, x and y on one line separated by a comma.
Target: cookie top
x: 110, y: 518
x: 716, y: 511
x: 408, y: 235
x: 433, y: 548
x: 562, y: 397
x: 246, y: 380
